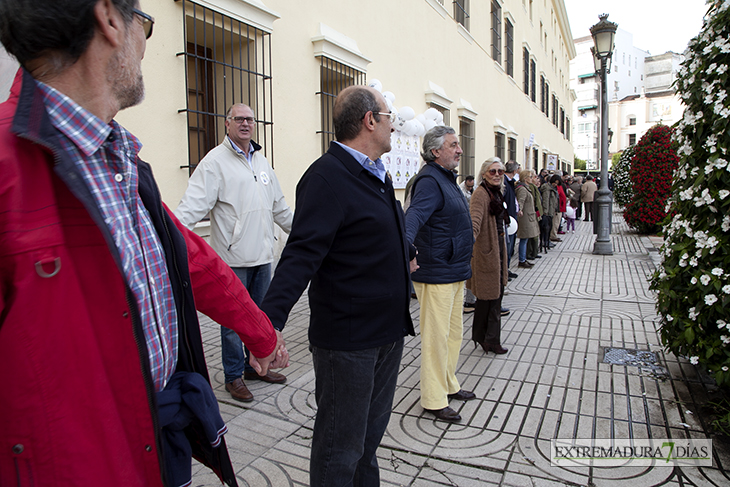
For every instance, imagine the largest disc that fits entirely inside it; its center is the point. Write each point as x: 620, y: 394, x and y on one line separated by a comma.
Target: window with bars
x: 466, y: 140
x: 555, y: 111
x: 499, y: 145
x: 533, y: 81
x: 526, y: 69
x: 227, y: 61
x: 512, y: 149
x: 444, y: 111
x: 333, y: 78
x: 509, y: 44
x: 632, y: 139
x: 542, y: 93
x: 496, y: 32
x: 562, y: 121
x: 461, y: 12
x: 567, y: 128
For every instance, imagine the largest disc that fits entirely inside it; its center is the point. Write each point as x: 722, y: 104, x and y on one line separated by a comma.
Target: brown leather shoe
x: 462, y: 395
x: 239, y: 391
x: 445, y: 414
x: 271, y: 377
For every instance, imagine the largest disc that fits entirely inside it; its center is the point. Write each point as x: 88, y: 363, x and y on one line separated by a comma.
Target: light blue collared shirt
x: 375, y: 167
x: 247, y: 155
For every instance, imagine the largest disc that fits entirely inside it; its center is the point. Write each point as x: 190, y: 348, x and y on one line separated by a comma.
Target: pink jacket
x: 76, y: 404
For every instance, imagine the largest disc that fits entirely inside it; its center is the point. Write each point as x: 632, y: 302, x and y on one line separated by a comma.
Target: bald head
x: 351, y: 106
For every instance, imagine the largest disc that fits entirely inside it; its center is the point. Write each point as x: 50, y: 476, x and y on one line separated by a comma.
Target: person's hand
x: 519, y: 213
x: 277, y: 359
x: 414, y: 265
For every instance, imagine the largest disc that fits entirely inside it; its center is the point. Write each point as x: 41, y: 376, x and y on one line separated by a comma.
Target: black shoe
x: 511, y: 274
x: 462, y: 395
x: 469, y: 307
x: 505, y: 311
x: 445, y: 414
x: 538, y: 256
x: 525, y: 265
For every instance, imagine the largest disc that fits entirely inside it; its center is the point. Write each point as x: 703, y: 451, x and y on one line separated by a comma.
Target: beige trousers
x: 441, y: 333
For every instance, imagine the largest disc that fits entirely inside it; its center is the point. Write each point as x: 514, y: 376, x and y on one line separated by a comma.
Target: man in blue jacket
x: 348, y: 238
x: 438, y: 224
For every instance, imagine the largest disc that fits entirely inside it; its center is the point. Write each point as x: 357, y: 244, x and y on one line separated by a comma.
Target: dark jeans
x: 533, y: 246
x: 233, y: 354
x: 354, y: 392
x: 510, y: 247
x: 589, y: 211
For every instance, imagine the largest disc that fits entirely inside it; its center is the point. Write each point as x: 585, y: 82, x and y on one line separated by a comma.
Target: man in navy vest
x: 438, y: 224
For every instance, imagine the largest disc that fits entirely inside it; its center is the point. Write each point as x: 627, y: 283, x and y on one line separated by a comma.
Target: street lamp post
x: 603, y: 34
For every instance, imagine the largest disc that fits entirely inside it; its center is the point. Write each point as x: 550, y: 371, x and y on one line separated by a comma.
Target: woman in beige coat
x: 489, y: 257
x: 527, y: 226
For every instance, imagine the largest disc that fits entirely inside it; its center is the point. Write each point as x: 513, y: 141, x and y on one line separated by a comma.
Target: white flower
x: 693, y: 262
x: 694, y: 360
x: 721, y: 324
x: 723, y: 193
x: 693, y: 314
x: 710, y: 299
x: 693, y: 280
x: 670, y: 318
x: 717, y: 272
x: 726, y: 223
x: 682, y: 263
x: 705, y: 279
x: 726, y: 288
x: 725, y: 339
x: 724, y: 368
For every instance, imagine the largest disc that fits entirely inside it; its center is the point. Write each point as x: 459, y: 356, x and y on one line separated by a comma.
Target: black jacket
x: 347, y: 238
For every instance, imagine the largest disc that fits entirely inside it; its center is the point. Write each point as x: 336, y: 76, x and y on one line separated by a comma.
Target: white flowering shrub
x: 623, y: 186
x: 693, y: 281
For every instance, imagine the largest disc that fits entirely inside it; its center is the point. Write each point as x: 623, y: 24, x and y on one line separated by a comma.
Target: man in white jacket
x: 236, y: 184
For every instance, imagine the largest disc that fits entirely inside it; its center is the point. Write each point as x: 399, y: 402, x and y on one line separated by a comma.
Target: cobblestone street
x: 554, y: 383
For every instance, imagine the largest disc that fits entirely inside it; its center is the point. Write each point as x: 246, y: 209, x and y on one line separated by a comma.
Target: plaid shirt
x: 106, y: 156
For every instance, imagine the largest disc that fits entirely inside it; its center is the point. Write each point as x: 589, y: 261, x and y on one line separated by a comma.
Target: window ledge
x: 464, y: 33
x: 436, y: 5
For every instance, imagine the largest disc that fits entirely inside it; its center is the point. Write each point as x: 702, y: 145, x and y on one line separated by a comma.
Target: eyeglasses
x: 390, y: 115
x: 147, y: 22
x: 240, y: 120
x: 496, y: 171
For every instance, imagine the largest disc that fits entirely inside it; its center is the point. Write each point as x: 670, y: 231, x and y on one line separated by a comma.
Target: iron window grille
x: 461, y: 12
x: 542, y: 93
x: 509, y: 44
x: 512, y: 149
x: 467, y: 142
x: 496, y: 32
x: 499, y: 145
x: 533, y: 81
x: 526, y: 69
x: 333, y: 78
x: 226, y: 61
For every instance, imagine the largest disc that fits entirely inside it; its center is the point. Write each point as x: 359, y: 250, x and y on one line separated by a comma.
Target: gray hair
x: 511, y: 167
x: 434, y: 139
x: 486, y: 165
x: 558, y: 172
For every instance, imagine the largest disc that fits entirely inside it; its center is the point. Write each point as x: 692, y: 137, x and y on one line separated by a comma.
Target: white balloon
x: 407, y: 112
x: 376, y: 84
x: 429, y: 124
x: 421, y: 118
x: 388, y: 95
x: 439, y: 117
x: 399, y: 122
x: 410, y: 127
x: 390, y: 106
x: 431, y: 114
x: 420, y: 129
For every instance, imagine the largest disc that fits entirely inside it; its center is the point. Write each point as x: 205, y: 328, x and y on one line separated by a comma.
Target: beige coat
x: 587, y: 191
x: 485, y: 260
x: 527, y: 223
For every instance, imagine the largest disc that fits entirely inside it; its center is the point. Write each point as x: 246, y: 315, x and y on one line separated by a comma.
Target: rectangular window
x: 547, y: 99
x: 461, y: 12
x: 533, y: 81
x: 444, y: 111
x: 333, y: 78
x: 509, y: 43
x: 499, y: 145
x: 632, y: 120
x: 632, y: 139
x: 496, y: 32
x: 567, y: 128
x: 226, y: 62
x: 562, y: 121
x: 512, y: 149
x: 526, y: 69
x: 466, y: 140
x: 542, y: 93
x: 555, y: 111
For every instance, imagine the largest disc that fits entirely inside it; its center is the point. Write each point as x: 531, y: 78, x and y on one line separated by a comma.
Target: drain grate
x: 646, y: 361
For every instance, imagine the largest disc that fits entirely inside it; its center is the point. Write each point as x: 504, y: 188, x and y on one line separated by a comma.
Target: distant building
x: 631, y: 116
x: 625, y: 79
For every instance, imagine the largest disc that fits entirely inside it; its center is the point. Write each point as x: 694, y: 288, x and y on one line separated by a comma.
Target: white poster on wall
x: 552, y: 162
x: 403, y: 159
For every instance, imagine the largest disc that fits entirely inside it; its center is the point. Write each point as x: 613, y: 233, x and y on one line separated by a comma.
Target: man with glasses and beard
x: 101, y: 360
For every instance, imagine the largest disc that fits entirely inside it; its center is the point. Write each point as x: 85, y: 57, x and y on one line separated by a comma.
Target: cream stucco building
x: 497, y: 70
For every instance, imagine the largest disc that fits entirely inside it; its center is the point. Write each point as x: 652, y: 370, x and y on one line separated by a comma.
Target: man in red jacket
x: 101, y: 360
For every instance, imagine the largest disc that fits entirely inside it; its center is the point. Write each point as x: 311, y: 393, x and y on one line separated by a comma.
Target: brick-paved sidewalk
x: 553, y: 383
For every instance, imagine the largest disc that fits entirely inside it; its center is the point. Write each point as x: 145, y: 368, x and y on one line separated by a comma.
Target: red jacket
x: 77, y: 405
x: 562, y: 199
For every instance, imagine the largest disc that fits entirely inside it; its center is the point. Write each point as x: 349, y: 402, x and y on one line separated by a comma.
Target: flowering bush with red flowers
x: 692, y: 283
x: 654, y: 161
